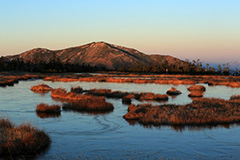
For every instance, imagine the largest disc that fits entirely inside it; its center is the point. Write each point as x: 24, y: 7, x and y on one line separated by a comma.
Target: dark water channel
x: 108, y: 136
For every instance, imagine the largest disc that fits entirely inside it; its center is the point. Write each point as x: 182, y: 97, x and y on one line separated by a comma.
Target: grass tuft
x: 22, y: 139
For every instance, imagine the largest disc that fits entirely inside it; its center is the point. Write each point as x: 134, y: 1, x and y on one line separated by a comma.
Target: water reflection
x: 202, y: 127
x: 48, y: 115
x: 42, y: 93
x: 181, y: 128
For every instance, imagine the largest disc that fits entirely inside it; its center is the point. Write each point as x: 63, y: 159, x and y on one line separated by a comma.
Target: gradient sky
x: 187, y: 29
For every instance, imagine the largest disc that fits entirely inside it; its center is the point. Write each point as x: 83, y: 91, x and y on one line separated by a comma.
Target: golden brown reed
x: 203, y: 111
x: 197, y: 88
x: 48, y: 108
x: 173, y: 91
x: 85, y: 102
x: 232, y: 81
x: 152, y: 97
x: 10, y: 80
x: 21, y: 140
x: 235, y: 97
x: 127, y: 96
x: 107, y: 93
x: 76, y: 89
x: 128, y: 99
x: 42, y: 88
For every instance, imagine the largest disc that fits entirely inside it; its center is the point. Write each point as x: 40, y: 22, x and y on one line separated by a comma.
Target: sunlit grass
x: 21, y: 139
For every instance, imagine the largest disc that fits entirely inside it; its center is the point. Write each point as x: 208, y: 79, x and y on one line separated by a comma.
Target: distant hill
x: 234, y: 65
x: 99, y: 54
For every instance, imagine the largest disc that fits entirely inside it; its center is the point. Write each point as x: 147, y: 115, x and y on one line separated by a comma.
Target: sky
x: 208, y: 30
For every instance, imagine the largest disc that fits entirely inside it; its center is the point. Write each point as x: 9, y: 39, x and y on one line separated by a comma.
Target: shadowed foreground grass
x: 203, y: 111
x: 21, y: 140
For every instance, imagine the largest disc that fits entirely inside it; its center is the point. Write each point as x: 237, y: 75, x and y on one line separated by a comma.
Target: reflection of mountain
x: 98, y: 54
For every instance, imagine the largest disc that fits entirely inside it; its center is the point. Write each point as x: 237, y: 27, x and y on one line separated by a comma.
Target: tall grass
x: 48, y: 108
x: 42, y: 88
x: 201, y: 111
x: 22, y: 139
x: 84, y: 102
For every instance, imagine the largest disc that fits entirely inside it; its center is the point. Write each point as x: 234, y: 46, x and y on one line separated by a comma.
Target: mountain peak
x: 100, y: 54
x: 99, y: 44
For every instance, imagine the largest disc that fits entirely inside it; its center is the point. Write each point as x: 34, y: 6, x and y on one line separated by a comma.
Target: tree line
x: 194, y: 67
x: 51, y: 66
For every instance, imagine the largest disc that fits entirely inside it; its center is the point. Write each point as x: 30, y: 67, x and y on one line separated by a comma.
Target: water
x: 108, y: 136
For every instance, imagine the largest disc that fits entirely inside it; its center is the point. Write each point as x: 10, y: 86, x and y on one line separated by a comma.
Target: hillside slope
x: 98, y: 54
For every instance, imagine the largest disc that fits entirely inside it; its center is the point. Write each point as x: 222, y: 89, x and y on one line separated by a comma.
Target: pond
x: 77, y: 135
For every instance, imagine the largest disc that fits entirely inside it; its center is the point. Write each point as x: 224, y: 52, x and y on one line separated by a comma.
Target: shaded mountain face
x: 98, y: 54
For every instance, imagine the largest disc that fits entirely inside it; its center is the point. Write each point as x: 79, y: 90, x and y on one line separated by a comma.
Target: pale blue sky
x: 187, y: 29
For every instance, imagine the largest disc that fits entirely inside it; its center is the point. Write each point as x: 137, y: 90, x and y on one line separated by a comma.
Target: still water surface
x: 108, y: 136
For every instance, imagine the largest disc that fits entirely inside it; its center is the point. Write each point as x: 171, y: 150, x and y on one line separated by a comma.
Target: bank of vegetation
x: 54, y: 65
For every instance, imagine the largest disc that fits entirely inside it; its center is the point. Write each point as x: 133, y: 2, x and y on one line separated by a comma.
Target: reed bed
x: 128, y: 99
x: 197, y: 88
x: 173, y: 91
x: 48, y: 108
x: 42, y: 88
x: 231, y: 81
x: 10, y: 80
x: 21, y: 140
x: 203, y: 111
x: 84, y: 102
x: 235, y: 97
x: 196, y: 91
x: 146, y: 96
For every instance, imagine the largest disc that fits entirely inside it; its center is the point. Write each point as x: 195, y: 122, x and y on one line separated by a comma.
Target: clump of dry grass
x: 127, y: 96
x: 84, y: 102
x: 42, y: 88
x: 77, y: 89
x: 232, y: 81
x: 21, y: 140
x: 128, y: 99
x: 83, y: 107
x: 151, y: 96
x: 107, y: 93
x: 234, y: 84
x: 235, y: 97
x: 10, y: 80
x: 202, y: 111
x: 196, y: 88
x: 47, y: 108
x: 173, y: 91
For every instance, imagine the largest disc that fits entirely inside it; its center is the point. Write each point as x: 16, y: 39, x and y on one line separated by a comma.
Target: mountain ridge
x: 99, y: 54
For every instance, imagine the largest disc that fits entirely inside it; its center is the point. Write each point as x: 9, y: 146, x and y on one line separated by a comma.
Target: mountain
x: 98, y: 54
x: 234, y: 65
